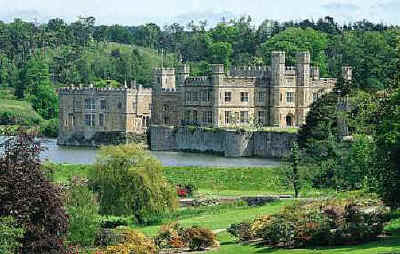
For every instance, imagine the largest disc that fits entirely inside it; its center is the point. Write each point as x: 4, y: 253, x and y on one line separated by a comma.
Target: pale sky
x: 135, y: 12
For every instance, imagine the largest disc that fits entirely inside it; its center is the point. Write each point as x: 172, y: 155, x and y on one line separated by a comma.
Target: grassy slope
x: 21, y: 109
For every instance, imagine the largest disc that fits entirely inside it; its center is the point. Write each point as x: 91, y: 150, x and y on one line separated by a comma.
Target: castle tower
x: 217, y: 74
x: 303, y: 60
x: 347, y: 73
x: 164, y: 78
x: 278, y: 68
x: 182, y: 73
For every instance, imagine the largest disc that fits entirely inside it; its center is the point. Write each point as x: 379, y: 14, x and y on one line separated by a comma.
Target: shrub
x: 25, y: 190
x: 82, y: 208
x: 49, y: 128
x: 171, y: 236
x: 242, y: 231
x: 115, y: 221
x: 329, y: 222
x: 130, y: 182
x: 199, y: 238
x: 9, y: 235
x: 131, y: 242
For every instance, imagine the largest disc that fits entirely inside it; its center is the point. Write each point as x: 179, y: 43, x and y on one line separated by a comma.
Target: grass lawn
x: 213, y: 181
x: 219, y: 218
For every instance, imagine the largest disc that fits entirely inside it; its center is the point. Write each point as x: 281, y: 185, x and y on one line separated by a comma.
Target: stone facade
x: 100, y: 116
x: 230, y: 143
x: 277, y: 95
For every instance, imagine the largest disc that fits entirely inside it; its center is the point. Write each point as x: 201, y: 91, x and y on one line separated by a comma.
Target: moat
x: 86, y: 155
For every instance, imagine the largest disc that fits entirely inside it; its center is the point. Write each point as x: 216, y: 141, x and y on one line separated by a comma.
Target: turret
x: 217, y: 74
x: 347, y: 73
x: 303, y: 60
x: 182, y: 73
x: 278, y: 68
x: 163, y: 78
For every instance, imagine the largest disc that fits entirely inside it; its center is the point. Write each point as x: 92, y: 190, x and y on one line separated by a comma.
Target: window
x: 119, y: 105
x: 76, y: 103
x: 165, y: 107
x: 244, y: 96
x: 195, y: 96
x: 244, y: 116
x: 101, y: 119
x: 315, y: 97
x: 188, y: 97
x: 89, y: 120
x: 228, y: 117
x: 71, y: 119
x: 261, y: 117
x: 228, y: 96
x: 103, y: 105
x: 261, y: 96
x: 207, y: 117
x: 166, y: 119
x: 90, y: 104
x: 290, y: 97
x: 206, y: 96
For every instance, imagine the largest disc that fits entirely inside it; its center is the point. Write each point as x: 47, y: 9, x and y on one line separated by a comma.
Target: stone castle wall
x: 229, y: 143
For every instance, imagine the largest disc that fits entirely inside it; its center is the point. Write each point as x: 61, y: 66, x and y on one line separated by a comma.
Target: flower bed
x: 329, y: 222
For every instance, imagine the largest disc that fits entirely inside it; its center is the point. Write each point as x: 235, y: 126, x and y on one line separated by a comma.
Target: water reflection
x: 86, y: 155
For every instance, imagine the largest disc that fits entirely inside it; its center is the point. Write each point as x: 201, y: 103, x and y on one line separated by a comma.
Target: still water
x: 86, y: 155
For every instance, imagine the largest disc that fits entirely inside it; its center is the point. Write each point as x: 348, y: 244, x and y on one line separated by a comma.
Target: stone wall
x: 101, y: 138
x: 230, y: 143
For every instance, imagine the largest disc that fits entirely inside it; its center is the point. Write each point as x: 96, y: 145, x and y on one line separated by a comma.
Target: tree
x: 387, y: 170
x: 294, y: 40
x: 129, y: 181
x: 26, y: 193
x: 292, y: 173
x: 38, y: 88
x: 220, y: 53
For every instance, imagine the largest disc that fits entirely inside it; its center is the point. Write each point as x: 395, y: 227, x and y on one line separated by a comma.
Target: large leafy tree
x: 38, y: 88
x: 293, y: 40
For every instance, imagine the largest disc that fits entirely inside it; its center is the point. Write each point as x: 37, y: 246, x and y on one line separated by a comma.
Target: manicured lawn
x: 214, y: 181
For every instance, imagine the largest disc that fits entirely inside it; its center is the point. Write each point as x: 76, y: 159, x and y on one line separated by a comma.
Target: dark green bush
x: 115, y: 221
x: 9, y: 235
x: 49, y: 128
x: 129, y: 182
x: 242, y: 231
x: 82, y: 208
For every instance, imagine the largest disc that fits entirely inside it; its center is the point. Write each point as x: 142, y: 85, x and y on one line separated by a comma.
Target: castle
x: 277, y: 95
x: 99, y: 116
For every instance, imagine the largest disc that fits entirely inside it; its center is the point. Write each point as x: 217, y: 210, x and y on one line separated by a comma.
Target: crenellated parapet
x: 200, y: 80
x: 72, y: 90
x: 250, y: 71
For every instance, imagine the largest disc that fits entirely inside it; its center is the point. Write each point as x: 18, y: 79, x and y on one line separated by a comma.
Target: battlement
x: 168, y: 90
x: 200, y: 80
x: 250, y: 71
x: 290, y: 70
x: 81, y: 89
x: 164, y: 71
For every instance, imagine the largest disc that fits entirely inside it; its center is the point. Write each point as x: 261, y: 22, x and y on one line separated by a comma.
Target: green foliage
x: 36, y: 86
x: 49, y: 128
x: 82, y: 209
x: 388, y: 150
x: 10, y: 233
x: 292, y: 170
x: 328, y: 222
x: 294, y: 40
x: 130, y: 182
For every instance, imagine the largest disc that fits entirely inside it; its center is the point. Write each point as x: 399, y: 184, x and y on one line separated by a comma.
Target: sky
x: 136, y: 12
